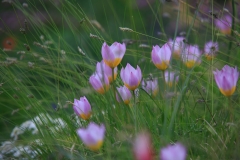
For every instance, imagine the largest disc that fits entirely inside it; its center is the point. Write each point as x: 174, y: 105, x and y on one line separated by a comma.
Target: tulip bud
x: 131, y: 77
x: 170, y: 78
x: 125, y: 95
x: 92, y: 136
x: 226, y: 80
x: 224, y: 24
x: 151, y: 86
x: 82, y: 108
x: 112, y: 55
x: 161, y: 56
x: 191, y: 56
x: 99, y: 82
x: 102, y: 68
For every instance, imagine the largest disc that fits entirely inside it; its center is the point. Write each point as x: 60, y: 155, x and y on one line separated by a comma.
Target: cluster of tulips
x: 106, y: 73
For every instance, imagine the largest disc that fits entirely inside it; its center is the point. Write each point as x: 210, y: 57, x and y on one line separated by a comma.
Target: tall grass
x: 62, y: 44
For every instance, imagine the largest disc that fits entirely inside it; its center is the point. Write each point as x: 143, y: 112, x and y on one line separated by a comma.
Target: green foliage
x: 65, y: 39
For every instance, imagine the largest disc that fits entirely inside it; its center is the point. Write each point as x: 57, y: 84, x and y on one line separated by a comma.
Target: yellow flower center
x: 190, y: 63
x: 209, y: 57
x: 162, y: 66
x: 96, y: 146
x: 176, y: 54
x: 131, y: 87
x: 155, y: 92
x: 102, y: 90
x: 113, y: 63
x: 229, y: 92
x: 226, y: 31
x: 85, y: 116
x: 127, y: 101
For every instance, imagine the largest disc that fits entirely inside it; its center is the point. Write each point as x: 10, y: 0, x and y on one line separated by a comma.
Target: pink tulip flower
x: 92, y: 136
x: 173, y: 152
x: 131, y: 77
x: 125, y: 95
x: 176, y: 46
x: 161, y: 56
x: 99, y: 82
x: 102, y: 68
x: 82, y: 108
x: 151, y: 86
x: 170, y: 78
x: 224, y: 24
x: 210, y: 49
x: 113, y: 55
x: 191, y: 56
x: 226, y: 80
x: 142, y: 147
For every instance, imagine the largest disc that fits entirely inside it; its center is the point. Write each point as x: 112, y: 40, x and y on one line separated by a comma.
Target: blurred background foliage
x: 53, y: 70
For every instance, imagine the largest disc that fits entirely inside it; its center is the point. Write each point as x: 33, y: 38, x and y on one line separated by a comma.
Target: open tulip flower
x: 102, y: 68
x: 226, y: 80
x: 82, y: 108
x: 142, y: 147
x: 176, y: 46
x: 99, y: 82
x: 151, y: 86
x: 125, y: 94
x: 161, y: 56
x: 170, y: 78
x: 210, y: 49
x: 92, y: 136
x: 131, y: 77
x: 112, y: 55
x: 173, y: 152
x: 191, y: 56
x: 224, y: 24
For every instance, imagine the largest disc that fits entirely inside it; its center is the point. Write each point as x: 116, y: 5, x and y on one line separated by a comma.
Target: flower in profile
x: 131, y: 77
x: 112, y: 55
x: 210, y: 49
x: 99, y: 82
x: 224, y: 24
x: 173, y: 152
x: 161, y: 56
x: 226, y: 80
x: 82, y: 108
x: 176, y: 46
x: 142, y: 147
x: 191, y: 56
x: 92, y: 136
x: 150, y: 86
x: 125, y: 95
x: 170, y: 78
x: 102, y: 68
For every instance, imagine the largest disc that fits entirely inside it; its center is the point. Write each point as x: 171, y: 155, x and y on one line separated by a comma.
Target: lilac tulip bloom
x: 82, y: 108
x: 226, y: 80
x: 131, y: 77
x: 92, y: 136
x: 124, y: 93
x: 112, y: 55
x: 161, y: 56
x: 99, y: 82
x: 102, y: 68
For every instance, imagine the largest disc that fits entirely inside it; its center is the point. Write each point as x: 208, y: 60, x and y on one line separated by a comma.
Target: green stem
x: 135, y: 111
x: 230, y: 108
